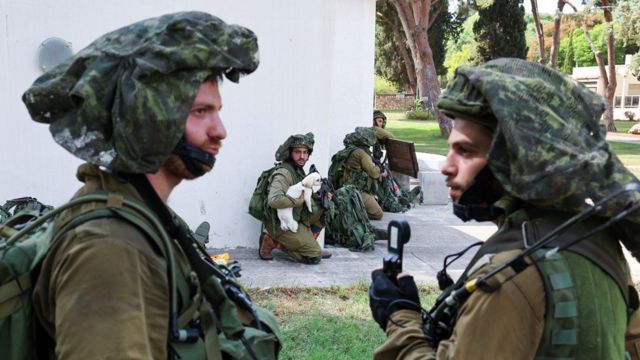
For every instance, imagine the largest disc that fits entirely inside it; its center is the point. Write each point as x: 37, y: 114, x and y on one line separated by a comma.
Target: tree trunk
x: 613, y: 83
x: 608, y: 80
x: 415, y: 22
x: 539, y: 32
x: 402, y: 49
x: 553, y: 53
x: 555, y: 45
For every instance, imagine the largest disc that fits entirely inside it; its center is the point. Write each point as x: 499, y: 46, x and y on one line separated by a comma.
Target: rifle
x: 325, y: 189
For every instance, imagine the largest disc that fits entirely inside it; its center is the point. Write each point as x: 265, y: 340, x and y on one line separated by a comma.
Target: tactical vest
x: 593, y: 269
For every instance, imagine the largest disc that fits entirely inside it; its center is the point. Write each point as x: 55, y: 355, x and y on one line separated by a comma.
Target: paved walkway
x: 623, y: 137
x: 435, y: 233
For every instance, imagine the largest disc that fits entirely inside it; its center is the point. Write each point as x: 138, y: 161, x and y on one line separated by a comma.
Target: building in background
x: 627, y: 98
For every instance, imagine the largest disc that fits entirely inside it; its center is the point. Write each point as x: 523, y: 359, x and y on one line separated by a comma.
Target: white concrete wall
x: 316, y: 74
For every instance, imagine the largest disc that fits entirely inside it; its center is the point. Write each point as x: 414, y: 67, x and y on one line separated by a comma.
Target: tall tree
x: 393, y: 60
x: 553, y: 53
x: 569, y: 59
x: 628, y: 17
x: 500, y: 30
x: 607, y: 71
x: 416, y: 17
x: 539, y: 31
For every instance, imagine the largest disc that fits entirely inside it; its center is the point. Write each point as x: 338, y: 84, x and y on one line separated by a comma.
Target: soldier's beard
x: 174, y: 167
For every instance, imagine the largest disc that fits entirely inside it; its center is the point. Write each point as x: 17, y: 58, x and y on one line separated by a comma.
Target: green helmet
x: 293, y: 141
x: 363, y: 136
x: 548, y: 146
x: 122, y: 101
x: 379, y: 114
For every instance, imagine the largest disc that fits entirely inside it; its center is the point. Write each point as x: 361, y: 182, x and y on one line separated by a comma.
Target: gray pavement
x: 623, y: 137
x: 435, y: 233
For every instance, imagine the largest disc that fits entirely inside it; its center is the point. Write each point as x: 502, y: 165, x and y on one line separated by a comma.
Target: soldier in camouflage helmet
x: 379, y: 119
x: 141, y: 106
x: 301, y: 245
x: 390, y: 196
x: 356, y: 167
x: 526, y: 152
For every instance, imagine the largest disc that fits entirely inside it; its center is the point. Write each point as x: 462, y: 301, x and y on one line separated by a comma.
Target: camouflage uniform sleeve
x: 382, y: 134
x: 366, y: 162
x: 405, y: 339
x: 278, y: 198
x: 105, y: 291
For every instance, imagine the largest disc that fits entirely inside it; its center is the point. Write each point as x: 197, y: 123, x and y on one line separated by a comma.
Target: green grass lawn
x: 624, y: 126
x: 426, y: 137
x: 424, y: 134
x: 327, y: 323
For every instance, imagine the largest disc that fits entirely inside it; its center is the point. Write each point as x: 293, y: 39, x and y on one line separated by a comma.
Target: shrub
x: 384, y: 86
x: 421, y: 115
x: 630, y: 115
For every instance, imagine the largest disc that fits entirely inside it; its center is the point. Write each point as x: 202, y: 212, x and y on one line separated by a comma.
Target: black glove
x: 385, y: 297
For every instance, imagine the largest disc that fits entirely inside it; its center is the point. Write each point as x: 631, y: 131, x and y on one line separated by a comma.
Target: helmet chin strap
x: 192, y: 157
x: 476, y: 203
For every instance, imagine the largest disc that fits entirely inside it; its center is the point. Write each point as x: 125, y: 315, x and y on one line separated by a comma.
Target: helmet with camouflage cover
x: 122, y: 101
x: 379, y: 114
x: 294, y: 141
x: 548, y: 147
x: 363, y: 136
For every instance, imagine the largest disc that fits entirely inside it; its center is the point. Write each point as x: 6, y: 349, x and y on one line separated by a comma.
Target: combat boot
x: 266, y: 245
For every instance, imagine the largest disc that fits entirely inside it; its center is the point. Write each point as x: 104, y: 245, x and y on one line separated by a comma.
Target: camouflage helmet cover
x: 362, y: 136
x: 379, y: 114
x: 293, y: 141
x: 122, y: 101
x: 548, y: 147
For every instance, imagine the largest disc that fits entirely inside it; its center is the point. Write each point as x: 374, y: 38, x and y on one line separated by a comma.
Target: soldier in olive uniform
x: 301, y: 245
x: 526, y: 151
x: 359, y: 169
x: 382, y: 135
x: 141, y: 105
x: 390, y: 197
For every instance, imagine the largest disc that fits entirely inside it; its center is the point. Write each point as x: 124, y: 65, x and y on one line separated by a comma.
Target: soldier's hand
x: 385, y: 297
x: 330, y: 196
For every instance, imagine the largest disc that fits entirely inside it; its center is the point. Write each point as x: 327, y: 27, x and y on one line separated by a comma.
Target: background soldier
x: 390, y: 196
x: 526, y: 151
x: 302, y: 246
x: 354, y: 165
x: 141, y: 105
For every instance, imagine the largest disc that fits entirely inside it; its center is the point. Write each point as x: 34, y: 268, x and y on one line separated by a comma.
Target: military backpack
x: 26, y: 235
x: 258, y: 207
x: 336, y: 170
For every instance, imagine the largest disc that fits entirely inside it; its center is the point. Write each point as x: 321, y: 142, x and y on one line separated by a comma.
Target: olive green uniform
x: 382, y: 136
x: 300, y: 245
x: 515, y: 313
x: 104, y: 278
x: 360, y: 161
